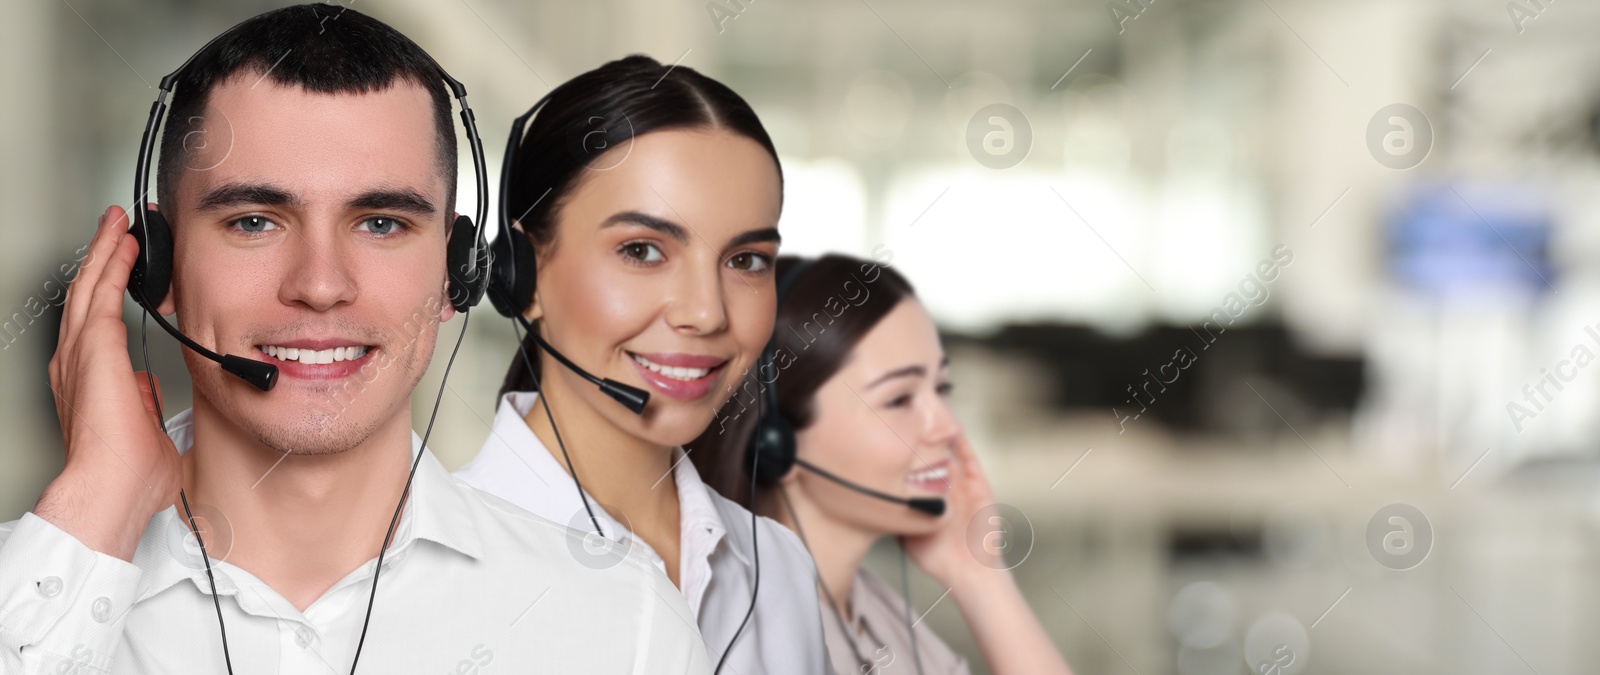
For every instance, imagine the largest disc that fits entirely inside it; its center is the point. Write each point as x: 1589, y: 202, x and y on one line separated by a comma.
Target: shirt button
x: 101, y: 609
x: 302, y: 637
x: 50, y: 587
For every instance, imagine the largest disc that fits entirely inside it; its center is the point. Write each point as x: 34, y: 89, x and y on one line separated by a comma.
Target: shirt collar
x: 697, y: 510
x: 697, y: 507
x: 437, y: 511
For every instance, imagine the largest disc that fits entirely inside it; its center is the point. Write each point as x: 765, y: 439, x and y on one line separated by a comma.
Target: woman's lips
x: 934, y: 478
x: 347, y: 363
x: 686, y: 377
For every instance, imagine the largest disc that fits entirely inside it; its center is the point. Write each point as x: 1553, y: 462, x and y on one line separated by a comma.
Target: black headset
x: 467, y: 259
x: 514, y: 270
x: 513, y: 265
x: 771, y: 452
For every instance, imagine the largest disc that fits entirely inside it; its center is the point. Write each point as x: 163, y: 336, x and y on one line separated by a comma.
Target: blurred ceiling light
x: 1209, y: 233
x: 824, y: 208
x: 987, y: 247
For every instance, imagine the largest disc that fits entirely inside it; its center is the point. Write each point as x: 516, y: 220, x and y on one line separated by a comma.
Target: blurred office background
x: 1223, y: 282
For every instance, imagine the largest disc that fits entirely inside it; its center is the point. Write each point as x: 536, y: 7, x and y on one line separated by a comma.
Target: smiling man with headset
x: 306, y: 191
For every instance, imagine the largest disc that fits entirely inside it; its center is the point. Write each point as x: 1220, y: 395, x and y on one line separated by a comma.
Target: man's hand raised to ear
x: 121, y: 469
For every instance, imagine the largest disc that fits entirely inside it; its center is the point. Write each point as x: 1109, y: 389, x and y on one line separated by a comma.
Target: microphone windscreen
x: 260, y: 375
x: 932, y: 506
x: 632, y: 397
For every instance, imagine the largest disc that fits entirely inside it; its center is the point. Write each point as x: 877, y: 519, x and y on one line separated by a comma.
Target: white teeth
x: 673, y: 372
x: 930, y: 475
x: 314, y: 356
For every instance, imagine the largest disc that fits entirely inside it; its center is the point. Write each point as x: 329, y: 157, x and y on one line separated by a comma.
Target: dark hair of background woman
x: 604, y: 109
x: 819, y: 351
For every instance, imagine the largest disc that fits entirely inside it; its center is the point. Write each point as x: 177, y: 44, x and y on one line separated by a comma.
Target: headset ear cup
x: 152, y: 269
x: 500, y: 271
x: 773, y: 442
x: 469, y: 273
x: 511, y: 288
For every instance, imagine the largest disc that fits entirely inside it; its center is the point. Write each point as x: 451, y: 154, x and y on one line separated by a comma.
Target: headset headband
x: 518, y: 126
x: 141, y: 175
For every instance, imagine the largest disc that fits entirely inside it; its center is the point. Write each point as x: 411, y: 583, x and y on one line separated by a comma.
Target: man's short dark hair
x: 320, y: 47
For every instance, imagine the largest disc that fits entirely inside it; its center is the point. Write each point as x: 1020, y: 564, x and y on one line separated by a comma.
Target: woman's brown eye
x: 642, y: 252
x: 748, y: 262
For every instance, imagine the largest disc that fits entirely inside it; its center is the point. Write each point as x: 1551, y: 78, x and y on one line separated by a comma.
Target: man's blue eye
x: 253, y: 224
x: 381, y: 225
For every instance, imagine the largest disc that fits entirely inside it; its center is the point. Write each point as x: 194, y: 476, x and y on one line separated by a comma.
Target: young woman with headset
x: 639, y: 210
x: 859, y: 443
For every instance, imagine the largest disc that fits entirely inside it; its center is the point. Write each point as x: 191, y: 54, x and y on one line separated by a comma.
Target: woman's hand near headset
x: 944, y: 554
x: 121, y: 468
x: 973, y: 566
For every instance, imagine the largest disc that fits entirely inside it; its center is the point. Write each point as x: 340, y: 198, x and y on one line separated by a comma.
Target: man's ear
x: 448, y: 309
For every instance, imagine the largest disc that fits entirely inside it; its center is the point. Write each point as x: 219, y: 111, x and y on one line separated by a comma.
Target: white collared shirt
x: 470, y: 584
x: 714, y: 569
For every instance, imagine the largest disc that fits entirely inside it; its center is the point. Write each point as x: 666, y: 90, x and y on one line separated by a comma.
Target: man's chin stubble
x: 310, y: 438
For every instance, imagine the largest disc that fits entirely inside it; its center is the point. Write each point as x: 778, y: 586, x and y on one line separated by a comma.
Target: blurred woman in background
x: 643, y: 203
x: 857, y: 374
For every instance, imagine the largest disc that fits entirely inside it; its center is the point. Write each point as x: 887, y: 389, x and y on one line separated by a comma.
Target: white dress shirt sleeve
x: 60, y: 601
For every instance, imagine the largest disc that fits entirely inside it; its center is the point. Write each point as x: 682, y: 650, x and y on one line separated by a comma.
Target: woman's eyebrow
x: 661, y: 225
x: 908, y: 371
x: 757, y: 236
